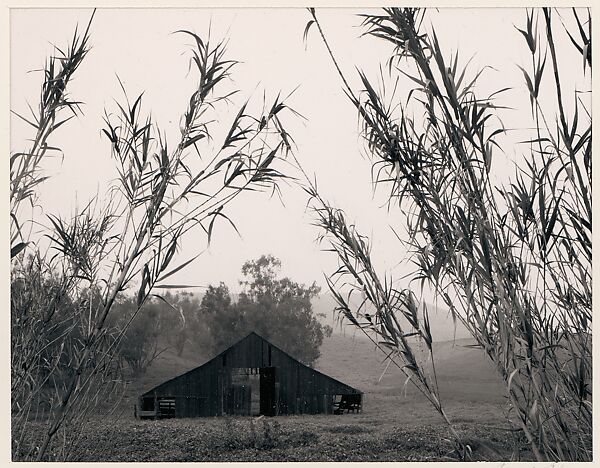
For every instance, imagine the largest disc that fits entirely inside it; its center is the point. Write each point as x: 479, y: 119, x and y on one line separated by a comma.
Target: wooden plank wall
x: 302, y: 390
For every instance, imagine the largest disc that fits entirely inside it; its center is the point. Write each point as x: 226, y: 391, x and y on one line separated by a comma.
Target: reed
x: 63, y: 298
x: 511, y: 262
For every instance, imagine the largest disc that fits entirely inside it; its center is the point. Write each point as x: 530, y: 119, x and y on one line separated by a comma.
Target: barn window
x: 270, y: 356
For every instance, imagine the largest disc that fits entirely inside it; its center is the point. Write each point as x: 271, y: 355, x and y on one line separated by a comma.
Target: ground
x: 397, y: 423
x: 364, y: 437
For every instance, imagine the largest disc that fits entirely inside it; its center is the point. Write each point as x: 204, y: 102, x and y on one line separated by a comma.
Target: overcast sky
x: 137, y: 45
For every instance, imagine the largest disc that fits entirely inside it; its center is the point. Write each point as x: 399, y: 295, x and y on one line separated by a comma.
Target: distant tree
x: 160, y: 325
x: 175, y: 313
x: 216, y: 298
x: 220, y: 319
x: 279, y: 309
x: 143, y: 339
x: 179, y: 335
x: 200, y: 321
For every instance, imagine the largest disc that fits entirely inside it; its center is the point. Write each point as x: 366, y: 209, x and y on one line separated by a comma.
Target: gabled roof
x: 233, y: 346
x: 302, y: 364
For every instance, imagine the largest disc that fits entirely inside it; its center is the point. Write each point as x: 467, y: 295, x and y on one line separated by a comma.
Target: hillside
x: 464, y: 373
x: 443, y: 327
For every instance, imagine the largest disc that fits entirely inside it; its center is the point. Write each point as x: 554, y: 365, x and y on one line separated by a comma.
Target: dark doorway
x: 268, y: 397
x: 241, y: 393
x: 147, y: 404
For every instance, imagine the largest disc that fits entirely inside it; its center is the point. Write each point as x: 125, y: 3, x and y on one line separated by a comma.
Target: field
x: 396, y: 423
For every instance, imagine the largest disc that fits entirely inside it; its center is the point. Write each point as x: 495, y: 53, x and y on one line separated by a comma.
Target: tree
x: 279, y: 309
x: 184, y: 306
x: 211, y: 324
x: 145, y: 338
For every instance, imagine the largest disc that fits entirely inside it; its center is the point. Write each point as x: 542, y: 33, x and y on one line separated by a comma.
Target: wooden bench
x: 145, y: 414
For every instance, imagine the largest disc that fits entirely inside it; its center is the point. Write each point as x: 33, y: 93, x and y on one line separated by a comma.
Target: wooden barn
x: 251, y: 377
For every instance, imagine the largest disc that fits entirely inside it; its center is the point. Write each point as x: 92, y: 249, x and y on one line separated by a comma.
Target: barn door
x: 268, y: 398
x: 237, y: 400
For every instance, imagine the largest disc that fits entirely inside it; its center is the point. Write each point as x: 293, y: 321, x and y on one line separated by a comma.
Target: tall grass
x: 63, y: 348
x: 511, y: 262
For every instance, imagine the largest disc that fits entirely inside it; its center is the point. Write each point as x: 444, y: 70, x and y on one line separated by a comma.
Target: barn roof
x: 233, y: 346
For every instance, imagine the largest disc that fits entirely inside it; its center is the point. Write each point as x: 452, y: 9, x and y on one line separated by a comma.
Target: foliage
x: 178, y: 334
x: 512, y: 263
x: 25, y: 167
x: 158, y: 326
x: 279, y: 309
x: 285, y: 440
x: 141, y: 342
x: 127, y: 242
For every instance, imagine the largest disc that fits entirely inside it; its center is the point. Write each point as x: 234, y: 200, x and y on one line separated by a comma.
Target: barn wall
x: 301, y: 390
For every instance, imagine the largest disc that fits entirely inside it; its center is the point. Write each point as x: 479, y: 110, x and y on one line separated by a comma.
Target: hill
x: 464, y: 373
x: 443, y: 328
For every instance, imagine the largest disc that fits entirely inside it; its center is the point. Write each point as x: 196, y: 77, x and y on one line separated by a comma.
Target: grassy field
x: 372, y: 436
x: 397, y: 424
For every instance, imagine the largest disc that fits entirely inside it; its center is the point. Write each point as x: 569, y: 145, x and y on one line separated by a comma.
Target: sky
x: 138, y: 46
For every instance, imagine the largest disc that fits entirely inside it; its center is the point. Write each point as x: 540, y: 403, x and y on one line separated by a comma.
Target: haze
x: 139, y: 47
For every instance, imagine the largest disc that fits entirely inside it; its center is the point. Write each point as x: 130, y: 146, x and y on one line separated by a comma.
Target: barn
x: 251, y: 377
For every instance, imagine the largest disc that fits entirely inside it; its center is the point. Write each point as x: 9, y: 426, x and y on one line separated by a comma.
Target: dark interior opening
x: 166, y: 407
x: 268, y: 397
x: 147, y: 404
x: 251, y: 391
x: 241, y: 396
x: 347, y: 403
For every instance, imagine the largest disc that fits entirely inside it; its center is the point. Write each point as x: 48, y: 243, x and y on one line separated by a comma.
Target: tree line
x: 277, y: 308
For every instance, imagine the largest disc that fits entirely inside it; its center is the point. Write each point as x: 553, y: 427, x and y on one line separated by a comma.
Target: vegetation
x: 511, y: 262
x: 62, y: 366
x: 159, y: 326
x: 393, y: 426
x: 279, y: 309
x: 309, y: 438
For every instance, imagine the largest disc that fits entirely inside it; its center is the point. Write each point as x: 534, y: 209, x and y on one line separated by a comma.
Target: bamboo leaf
x: 175, y: 270
x: 16, y: 249
x: 306, y: 29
